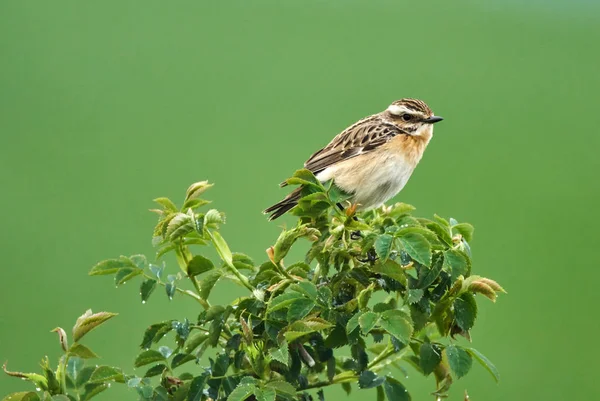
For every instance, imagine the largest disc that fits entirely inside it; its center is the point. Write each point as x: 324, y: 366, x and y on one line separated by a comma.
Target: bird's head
x: 412, y: 116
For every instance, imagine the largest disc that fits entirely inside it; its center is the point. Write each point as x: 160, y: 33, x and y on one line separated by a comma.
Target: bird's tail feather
x: 287, y: 203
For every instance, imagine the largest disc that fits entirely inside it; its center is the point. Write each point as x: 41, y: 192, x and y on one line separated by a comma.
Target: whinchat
x: 372, y: 159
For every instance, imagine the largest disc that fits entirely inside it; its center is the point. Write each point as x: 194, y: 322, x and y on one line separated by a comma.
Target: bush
x: 373, y: 293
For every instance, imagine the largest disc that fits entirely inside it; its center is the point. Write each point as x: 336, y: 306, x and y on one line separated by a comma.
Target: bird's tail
x: 287, y: 203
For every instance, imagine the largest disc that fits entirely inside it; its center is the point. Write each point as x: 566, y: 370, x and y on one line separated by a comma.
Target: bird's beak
x: 433, y: 119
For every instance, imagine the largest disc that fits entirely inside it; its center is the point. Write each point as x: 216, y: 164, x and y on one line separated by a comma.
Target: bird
x: 372, y: 159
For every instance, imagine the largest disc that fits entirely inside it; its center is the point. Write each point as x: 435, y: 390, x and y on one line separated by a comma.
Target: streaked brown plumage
x: 373, y: 158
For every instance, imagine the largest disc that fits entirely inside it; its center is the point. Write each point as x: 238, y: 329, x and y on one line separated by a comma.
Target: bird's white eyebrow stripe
x: 399, y: 110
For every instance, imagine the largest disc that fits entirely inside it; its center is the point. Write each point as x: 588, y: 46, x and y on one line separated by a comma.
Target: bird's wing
x: 358, y: 139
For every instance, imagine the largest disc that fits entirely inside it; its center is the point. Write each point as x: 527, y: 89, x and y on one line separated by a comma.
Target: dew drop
x: 38, y: 389
x: 143, y: 302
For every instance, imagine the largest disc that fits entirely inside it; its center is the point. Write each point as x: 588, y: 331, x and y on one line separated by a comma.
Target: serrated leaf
x: 147, y: 357
x: 241, y: 392
x: 391, y: 269
x: 305, y: 177
x: 486, y: 363
x: 147, y: 288
x: 82, y: 351
x: 84, y: 376
x: 266, y: 394
x: 281, y: 354
x: 165, y: 351
x: 465, y: 311
x: 193, y: 342
x: 368, y: 379
x: 299, y: 309
x: 414, y: 295
x: 283, y: 301
x: 208, y: 282
x: 222, y: 248
x: 157, y: 270
x: 22, y: 396
x: 127, y: 273
x: 430, y: 357
x: 107, y: 373
x: 242, y: 261
x: 89, y: 321
x: 395, y: 323
x: 110, y: 266
x: 383, y: 246
x: 367, y: 321
x: 181, y: 224
x: 155, y: 332
x: 282, y: 388
x: 395, y: 391
x: 198, y: 265
x: 460, y: 361
x: 213, y: 218
x: 417, y: 246
x: 456, y: 263
x: 464, y: 229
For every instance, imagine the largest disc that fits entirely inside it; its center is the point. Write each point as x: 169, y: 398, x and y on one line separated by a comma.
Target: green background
x: 107, y: 105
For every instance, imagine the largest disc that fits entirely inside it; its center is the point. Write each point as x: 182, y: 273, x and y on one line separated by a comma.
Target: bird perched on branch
x: 372, y: 159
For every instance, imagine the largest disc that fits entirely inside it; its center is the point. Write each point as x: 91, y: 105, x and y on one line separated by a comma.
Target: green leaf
x: 305, y: 177
x: 166, y: 203
x: 155, y: 332
x: 353, y: 323
x: 170, y: 289
x: 367, y: 321
x: 460, y: 361
x: 241, y: 392
x: 242, y: 262
x: 107, y: 373
x: 222, y: 248
x: 155, y: 370
x: 60, y: 397
x: 431, y: 274
x: 400, y: 209
x: 23, y: 396
x: 391, y: 269
x: 89, y: 321
x: 93, y: 389
x: 197, y: 387
x: 193, y: 342
x: 74, y: 367
x: 430, y: 357
x: 147, y: 357
x: 380, y: 394
x: 456, y: 263
x: 395, y: 323
x: 198, y: 265
x: 208, y: 282
x: 283, y: 301
x: 111, y: 266
x: 283, y: 389
x: 127, y: 273
x: 417, y: 247
x: 368, y: 379
x: 299, y: 308
x: 282, y: 354
x: 180, y: 359
x: 414, y: 295
x: 180, y: 225
x: 82, y: 351
x: 84, y: 376
x: 465, y: 311
x: 486, y: 363
x: 395, y: 391
x: 383, y: 246
x: 464, y: 229
x: 267, y: 394
x: 307, y: 288
x: 146, y: 288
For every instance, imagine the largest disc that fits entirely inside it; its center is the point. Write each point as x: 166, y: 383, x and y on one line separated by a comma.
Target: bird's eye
x: 406, y: 117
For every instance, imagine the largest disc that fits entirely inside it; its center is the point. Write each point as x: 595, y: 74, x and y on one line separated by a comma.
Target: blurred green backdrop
x: 106, y: 105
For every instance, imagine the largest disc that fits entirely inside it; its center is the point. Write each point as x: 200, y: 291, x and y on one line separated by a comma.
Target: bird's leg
x: 371, y: 257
